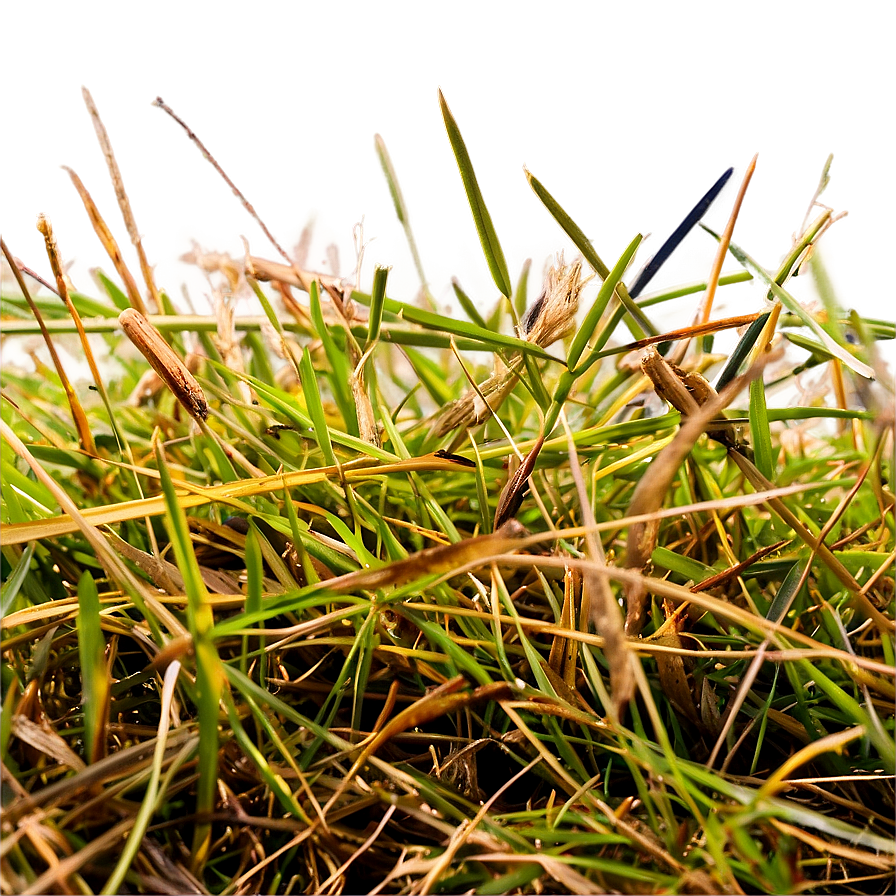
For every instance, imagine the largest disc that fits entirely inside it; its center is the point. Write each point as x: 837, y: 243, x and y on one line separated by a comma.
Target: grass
x: 372, y: 614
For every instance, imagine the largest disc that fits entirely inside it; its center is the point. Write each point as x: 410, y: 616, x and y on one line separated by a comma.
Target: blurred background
x: 627, y: 113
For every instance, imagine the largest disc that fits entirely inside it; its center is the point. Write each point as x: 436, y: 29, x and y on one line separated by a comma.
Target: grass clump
x: 401, y: 603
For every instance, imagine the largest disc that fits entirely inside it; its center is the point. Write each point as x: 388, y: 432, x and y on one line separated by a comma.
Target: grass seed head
x: 553, y: 315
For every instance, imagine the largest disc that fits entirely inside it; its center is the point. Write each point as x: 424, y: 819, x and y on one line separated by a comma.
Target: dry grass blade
x: 82, y: 426
x: 714, y: 274
x: 230, y: 493
x: 598, y: 601
x: 824, y: 552
x: 123, y: 202
x: 443, y: 700
x: 165, y: 362
x: 469, y: 553
x: 63, y: 292
x: 651, y: 490
x: 161, y: 104
x: 511, y: 497
x: 59, y: 875
x: 116, y: 569
x: 698, y: 329
x: 463, y: 834
x: 108, y: 241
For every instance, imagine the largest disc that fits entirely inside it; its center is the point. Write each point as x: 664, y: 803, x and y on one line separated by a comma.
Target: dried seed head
x: 553, y: 315
x: 165, y: 362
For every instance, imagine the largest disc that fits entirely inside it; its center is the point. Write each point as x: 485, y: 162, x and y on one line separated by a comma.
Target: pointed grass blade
x: 94, y: 676
x: 583, y: 244
x: 466, y: 303
x: 680, y: 232
x: 759, y: 429
x: 401, y: 210
x: 339, y: 371
x: 489, y: 339
x: 792, y: 305
x: 9, y: 591
x: 134, y: 299
x: 611, y: 279
x: 209, y: 675
x: 310, y: 389
x: 491, y: 248
x: 741, y: 351
x: 79, y: 417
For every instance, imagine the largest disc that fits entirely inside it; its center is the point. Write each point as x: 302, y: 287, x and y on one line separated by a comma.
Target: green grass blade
x: 792, y: 305
x: 94, y: 676
x: 11, y: 587
x: 209, y: 680
x: 466, y: 303
x: 759, y: 429
x: 320, y: 431
x: 339, y: 370
x: 377, y: 296
x: 488, y: 340
x: 254, y: 590
x: 153, y: 791
x: 583, y: 244
x: 491, y: 248
x: 598, y: 306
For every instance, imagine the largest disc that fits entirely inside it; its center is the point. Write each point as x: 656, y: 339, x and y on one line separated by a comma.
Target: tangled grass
x: 369, y: 614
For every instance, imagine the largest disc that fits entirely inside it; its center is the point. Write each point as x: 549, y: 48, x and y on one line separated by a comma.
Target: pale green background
x: 627, y: 112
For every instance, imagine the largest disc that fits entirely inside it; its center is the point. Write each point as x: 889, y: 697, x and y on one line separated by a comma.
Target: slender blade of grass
x: 209, y: 678
x: 792, y: 305
x: 488, y: 238
x: 583, y: 244
x: 94, y: 676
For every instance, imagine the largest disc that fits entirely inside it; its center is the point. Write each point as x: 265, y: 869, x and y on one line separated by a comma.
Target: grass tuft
x: 385, y: 614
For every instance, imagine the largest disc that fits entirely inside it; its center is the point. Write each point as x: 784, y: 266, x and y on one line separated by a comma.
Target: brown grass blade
x: 165, y: 361
x: 713, y: 283
x: 598, y: 601
x: 62, y: 288
x: 161, y: 104
x: 651, y: 490
x: 82, y: 426
x: 512, y: 494
x: 123, y: 202
x: 117, y: 571
x: 439, y: 702
x: 108, y: 241
x: 699, y: 329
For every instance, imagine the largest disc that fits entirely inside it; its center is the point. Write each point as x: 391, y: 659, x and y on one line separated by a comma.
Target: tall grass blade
x: 94, y: 675
x: 491, y: 248
x: 674, y: 241
x: 209, y: 677
x: 583, y: 244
